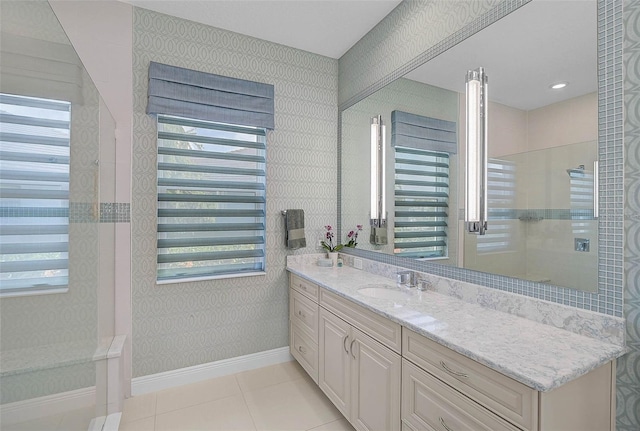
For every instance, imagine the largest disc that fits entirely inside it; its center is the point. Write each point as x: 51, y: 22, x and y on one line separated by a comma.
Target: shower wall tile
x: 186, y: 324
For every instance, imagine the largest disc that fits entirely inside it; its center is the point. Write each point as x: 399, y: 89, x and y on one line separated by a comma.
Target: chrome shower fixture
x: 576, y: 172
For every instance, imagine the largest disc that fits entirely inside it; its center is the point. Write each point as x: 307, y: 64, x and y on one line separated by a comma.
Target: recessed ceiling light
x: 558, y: 85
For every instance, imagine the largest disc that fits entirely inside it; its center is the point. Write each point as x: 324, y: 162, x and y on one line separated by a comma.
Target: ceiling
x: 325, y: 27
x: 541, y: 43
x: 516, y: 51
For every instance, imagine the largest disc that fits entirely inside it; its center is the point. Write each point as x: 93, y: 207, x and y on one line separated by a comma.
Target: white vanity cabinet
x: 383, y: 376
x: 359, y: 375
x: 444, y: 390
x: 303, y: 324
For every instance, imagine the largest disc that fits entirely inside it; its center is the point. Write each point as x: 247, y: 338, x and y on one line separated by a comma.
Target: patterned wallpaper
x: 399, y: 43
x: 628, y: 382
x: 181, y: 325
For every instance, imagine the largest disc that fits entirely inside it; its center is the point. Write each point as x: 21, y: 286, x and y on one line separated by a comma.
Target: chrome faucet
x: 407, y: 278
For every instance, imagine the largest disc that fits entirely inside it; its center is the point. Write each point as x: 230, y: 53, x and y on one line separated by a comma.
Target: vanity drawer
x: 380, y: 328
x: 429, y: 404
x: 303, y: 286
x: 304, y: 350
x: 505, y: 396
x: 303, y: 312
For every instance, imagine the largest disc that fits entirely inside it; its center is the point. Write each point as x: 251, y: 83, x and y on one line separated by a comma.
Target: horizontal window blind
x: 34, y: 193
x: 211, y: 199
x: 421, y: 203
x: 501, y: 200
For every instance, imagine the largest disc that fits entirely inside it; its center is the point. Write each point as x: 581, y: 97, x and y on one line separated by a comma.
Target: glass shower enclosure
x: 57, y: 139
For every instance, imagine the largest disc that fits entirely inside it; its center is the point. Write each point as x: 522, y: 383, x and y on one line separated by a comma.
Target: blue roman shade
x: 191, y: 94
x: 423, y: 133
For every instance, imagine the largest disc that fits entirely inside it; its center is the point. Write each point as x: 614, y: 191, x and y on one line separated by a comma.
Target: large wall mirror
x: 543, y: 142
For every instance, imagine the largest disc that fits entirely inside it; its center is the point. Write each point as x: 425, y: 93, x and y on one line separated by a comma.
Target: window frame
x: 439, y: 197
x: 36, y: 143
x: 258, y: 199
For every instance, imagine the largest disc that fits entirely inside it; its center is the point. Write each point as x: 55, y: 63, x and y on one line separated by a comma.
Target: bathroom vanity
x: 396, y: 359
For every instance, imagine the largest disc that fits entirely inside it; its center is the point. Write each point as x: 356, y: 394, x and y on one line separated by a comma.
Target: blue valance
x: 205, y: 96
x: 423, y: 133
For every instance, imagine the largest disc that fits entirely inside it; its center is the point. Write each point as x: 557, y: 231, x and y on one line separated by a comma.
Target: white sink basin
x: 384, y: 291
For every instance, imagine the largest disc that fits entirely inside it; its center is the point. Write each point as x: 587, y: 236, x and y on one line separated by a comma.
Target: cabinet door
x: 304, y: 350
x: 333, y: 373
x: 375, y: 385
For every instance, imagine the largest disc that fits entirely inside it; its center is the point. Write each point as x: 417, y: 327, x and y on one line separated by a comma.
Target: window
x: 501, y: 199
x: 421, y: 203
x: 211, y: 199
x: 34, y: 193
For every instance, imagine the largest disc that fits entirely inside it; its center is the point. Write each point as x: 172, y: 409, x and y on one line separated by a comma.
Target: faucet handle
x: 406, y: 278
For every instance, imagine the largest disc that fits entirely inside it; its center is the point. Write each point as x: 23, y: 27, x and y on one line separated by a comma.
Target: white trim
x: 211, y: 277
x: 31, y: 291
x: 36, y: 408
x: 112, y: 423
x: 196, y: 373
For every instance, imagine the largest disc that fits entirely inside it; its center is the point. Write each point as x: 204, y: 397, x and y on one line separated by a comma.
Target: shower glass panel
x: 541, y: 220
x: 57, y: 161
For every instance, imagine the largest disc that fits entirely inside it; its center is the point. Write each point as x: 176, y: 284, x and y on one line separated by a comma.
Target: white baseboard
x: 36, y: 408
x: 183, y: 376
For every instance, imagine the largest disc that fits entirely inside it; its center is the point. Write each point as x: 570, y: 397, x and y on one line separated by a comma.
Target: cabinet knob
x: 450, y: 371
x: 302, y: 350
x: 301, y: 314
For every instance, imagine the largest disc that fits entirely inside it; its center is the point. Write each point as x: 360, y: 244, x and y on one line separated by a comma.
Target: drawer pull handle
x: 302, y: 286
x: 450, y: 371
x: 302, y: 350
x: 344, y: 343
x: 301, y: 314
x: 351, y: 348
x: 444, y: 424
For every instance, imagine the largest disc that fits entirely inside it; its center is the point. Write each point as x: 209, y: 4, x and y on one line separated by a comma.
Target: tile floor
x: 279, y: 397
x: 75, y: 420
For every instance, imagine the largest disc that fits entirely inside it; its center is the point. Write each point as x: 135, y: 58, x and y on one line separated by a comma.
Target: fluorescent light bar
x: 476, y: 160
x: 378, y: 172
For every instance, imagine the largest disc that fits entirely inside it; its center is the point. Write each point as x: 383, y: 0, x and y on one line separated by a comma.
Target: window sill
x: 210, y: 277
x: 33, y: 291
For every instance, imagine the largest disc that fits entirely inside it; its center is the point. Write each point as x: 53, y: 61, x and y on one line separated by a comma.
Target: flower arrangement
x: 352, y: 237
x: 329, y: 236
x: 327, y: 243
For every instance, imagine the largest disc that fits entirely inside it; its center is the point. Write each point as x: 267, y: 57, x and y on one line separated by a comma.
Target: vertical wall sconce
x: 596, y: 190
x: 378, y: 171
x: 476, y: 185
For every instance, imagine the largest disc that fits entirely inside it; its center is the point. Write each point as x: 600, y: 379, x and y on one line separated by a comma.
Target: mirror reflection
x: 542, y: 149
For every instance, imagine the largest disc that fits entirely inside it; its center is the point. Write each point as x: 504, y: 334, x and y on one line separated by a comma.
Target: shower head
x: 576, y: 172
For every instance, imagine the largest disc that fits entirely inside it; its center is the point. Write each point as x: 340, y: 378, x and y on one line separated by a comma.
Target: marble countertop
x: 540, y: 356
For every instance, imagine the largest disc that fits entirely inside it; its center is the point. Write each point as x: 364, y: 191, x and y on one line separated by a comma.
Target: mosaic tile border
x: 107, y: 212
x: 115, y: 212
x: 609, y: 298
x: 536, y: 214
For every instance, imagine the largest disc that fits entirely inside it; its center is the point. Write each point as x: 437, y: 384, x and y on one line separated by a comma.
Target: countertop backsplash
x: 603, y: 327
